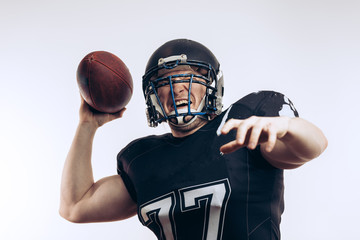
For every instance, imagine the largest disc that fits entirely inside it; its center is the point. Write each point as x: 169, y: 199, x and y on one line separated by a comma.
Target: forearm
x: 302, y: 142
x: 77, y: 177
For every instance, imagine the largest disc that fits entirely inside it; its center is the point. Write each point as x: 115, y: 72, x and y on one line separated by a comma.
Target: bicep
x: 107, y: 200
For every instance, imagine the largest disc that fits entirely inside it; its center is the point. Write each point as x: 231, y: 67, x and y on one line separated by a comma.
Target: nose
x: 179, y: 88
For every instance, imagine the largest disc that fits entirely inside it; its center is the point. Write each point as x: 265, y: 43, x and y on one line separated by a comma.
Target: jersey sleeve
x: 127, y: 158
x: 122, y: 171
x: 275, y: 104
x: 263, y: 104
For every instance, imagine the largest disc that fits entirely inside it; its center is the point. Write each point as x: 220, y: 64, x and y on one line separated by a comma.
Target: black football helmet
x: 195, y: 55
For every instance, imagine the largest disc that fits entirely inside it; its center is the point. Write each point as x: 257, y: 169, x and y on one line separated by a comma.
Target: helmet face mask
x: 197, y: 72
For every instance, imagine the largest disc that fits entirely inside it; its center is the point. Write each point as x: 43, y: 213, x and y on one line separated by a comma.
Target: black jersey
x: 186, y: 189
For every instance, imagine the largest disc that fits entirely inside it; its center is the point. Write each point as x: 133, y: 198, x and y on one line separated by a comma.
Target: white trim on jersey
x: 218, y: 131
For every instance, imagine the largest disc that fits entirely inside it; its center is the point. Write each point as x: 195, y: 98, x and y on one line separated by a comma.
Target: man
x: 217, y: 175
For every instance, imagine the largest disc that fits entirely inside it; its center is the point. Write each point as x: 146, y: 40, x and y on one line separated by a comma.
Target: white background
x: 308, y: 49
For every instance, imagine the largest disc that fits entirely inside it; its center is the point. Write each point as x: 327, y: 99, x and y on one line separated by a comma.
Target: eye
x: 200, y: 70
x: 161, y: 82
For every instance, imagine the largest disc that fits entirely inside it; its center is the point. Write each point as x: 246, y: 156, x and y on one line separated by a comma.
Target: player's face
x: 181, y: 90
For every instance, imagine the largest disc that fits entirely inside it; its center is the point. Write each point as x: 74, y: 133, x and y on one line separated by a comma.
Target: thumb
x: 117, y: 115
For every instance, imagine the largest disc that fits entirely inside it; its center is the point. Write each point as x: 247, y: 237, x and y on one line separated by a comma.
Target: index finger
x: 229, y: 125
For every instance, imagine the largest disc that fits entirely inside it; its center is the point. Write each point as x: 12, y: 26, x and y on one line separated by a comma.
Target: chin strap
x: 180, y: 120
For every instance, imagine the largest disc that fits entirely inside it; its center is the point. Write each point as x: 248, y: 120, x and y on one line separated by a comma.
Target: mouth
x: 180, y: 104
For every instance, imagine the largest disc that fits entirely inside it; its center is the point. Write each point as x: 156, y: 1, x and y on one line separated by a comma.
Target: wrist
x: 284, y: 127
x: 292, y: 131
x: 89, y: 127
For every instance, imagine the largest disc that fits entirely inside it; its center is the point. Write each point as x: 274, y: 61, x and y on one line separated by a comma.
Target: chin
x: 186, y: 129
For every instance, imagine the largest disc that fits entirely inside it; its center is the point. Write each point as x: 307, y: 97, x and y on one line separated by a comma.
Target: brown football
x: 104, y: 81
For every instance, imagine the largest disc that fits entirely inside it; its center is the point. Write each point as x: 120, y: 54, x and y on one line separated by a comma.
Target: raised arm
x: 83, y: 200
x: 285, y: 142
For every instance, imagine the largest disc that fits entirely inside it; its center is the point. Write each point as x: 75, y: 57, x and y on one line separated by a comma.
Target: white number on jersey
x: 215, y: 194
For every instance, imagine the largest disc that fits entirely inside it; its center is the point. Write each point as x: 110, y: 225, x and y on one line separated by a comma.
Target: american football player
x: 217, y: 175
